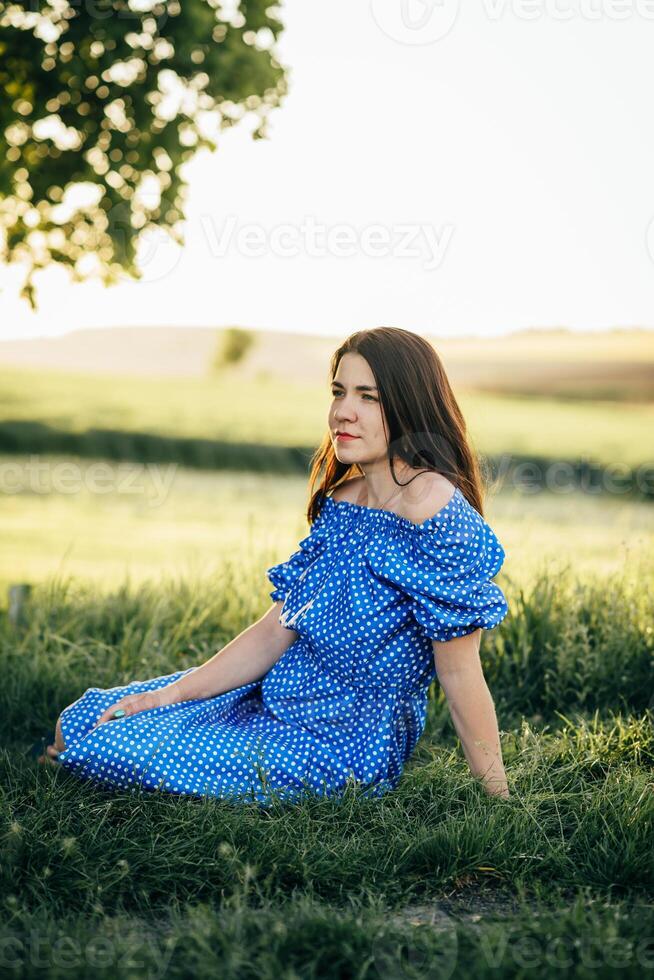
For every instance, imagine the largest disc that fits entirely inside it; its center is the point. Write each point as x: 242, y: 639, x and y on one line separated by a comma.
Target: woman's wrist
x: 173, y: 693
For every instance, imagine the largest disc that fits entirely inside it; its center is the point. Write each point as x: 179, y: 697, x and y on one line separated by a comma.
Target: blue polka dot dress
x: 366, y: 592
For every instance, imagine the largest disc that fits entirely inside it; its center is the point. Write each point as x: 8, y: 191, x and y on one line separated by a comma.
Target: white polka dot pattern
x: 367, y: 591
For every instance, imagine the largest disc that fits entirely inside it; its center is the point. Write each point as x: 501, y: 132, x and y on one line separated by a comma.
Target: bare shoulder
x: 422, y: 497
x: 348, y: 490
x: 425, y: 496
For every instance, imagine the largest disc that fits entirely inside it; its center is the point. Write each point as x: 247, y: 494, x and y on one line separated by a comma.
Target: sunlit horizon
x: 395, y: 189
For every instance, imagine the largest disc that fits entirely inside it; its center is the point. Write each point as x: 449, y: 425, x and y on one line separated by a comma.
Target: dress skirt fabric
x: 366, y: 591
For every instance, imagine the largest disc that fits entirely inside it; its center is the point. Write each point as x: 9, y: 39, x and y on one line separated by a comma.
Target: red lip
x: 345, y: 435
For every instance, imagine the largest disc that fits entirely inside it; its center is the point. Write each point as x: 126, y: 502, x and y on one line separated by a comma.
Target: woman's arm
x: 246, y: 658
x: 471, y: 706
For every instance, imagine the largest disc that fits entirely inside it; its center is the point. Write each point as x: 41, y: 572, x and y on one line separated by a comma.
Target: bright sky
x: 474, y: 170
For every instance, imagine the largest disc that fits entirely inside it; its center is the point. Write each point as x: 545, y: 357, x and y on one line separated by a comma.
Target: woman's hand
x: 133, y: 703
x: 497, y: 787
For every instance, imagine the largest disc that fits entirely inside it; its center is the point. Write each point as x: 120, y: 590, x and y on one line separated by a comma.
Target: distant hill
x: 176, y: 351
x: 162, y: 351
x: 614, y: 364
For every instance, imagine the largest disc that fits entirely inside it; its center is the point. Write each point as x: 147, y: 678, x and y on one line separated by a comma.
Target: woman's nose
x: 342, y: 410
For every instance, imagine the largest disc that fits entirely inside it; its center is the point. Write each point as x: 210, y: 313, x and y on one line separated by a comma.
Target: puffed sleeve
x: 286, y: 572
x: 446, y: 570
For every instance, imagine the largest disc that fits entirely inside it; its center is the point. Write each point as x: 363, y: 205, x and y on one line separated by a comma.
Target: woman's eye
x: 369, y: 397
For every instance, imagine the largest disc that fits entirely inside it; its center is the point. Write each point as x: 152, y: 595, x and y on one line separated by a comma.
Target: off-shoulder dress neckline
x: 378, y: 513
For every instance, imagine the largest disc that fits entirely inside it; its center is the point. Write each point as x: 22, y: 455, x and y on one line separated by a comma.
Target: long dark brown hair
x: 426, y: 428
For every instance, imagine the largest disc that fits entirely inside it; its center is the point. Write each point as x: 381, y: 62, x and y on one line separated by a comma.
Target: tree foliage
x: 233, y: 346
x: 101, y: 102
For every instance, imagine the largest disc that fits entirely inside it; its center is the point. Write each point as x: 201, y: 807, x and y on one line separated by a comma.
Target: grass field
x: 616, y: 365
x: 140, y: 570
x: 176, y: 522
x: 437, y: 879
x: 238, y: 410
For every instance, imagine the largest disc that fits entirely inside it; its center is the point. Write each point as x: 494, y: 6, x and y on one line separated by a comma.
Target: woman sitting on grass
x: 391, y: 586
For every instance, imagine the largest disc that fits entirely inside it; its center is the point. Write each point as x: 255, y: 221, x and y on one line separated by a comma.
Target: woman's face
x: 356, y: 409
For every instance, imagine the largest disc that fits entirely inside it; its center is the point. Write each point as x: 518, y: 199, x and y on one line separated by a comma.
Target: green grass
x: 175, y: 522
x: 545, y: 936
x: 435, y: 879
x: 567, y: 643
x: 241, y: 410
x: 151, y: 570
